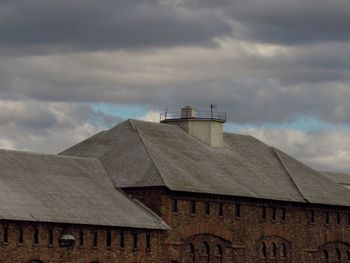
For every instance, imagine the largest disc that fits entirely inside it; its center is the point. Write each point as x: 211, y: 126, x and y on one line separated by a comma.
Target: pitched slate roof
x: 50, y: 188
x: 340, y: 178
x: 138, y: 153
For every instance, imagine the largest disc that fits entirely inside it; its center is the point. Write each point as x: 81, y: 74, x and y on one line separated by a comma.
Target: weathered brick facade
x: 26, y: 250
x: 296, y: 233
x: 205, y: 228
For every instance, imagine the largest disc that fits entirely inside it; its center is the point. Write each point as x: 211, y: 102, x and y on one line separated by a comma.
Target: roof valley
x: 289, y: 173
x: 148, y: 151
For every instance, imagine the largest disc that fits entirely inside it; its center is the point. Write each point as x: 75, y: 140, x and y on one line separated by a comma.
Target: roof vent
x: 206, y: 126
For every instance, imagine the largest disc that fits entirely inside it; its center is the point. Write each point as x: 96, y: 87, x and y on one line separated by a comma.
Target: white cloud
x: 322, y: 150
x: 151, y: 115
x: 46, y: 126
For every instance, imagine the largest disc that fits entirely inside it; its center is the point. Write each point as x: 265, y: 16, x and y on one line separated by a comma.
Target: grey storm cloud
x: 284, y: 21
x: 59, y: 25
x: 261, y: 61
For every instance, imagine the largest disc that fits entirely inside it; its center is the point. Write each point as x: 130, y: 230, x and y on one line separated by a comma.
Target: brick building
x: 214, y: 197
x: 48, y: 202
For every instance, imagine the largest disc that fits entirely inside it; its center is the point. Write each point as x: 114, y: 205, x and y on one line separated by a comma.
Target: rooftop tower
x: 206, y: 126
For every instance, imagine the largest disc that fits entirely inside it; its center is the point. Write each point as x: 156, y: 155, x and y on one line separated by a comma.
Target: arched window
x: 325, y: 254
x: 262, y: 250
x: 337, y: 254
x: 205, y: 249
x: 190, y: 249
x: 273, y: 250
x: 283, y: 250
x: 218, y: 250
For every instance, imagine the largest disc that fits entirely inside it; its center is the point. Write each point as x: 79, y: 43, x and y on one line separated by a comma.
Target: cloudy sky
x: 279, y: 68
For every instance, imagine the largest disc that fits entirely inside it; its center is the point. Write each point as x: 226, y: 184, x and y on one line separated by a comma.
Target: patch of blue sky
x: 125, y: 111
x: 304, y: 123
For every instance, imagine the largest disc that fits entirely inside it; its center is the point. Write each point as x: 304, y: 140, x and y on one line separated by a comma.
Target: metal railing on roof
x: 200, y: 115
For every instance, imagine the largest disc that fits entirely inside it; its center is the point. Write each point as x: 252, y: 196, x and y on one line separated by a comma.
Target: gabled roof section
x: 139, y: 153
x: 60, y: 189
x: 123, y: 155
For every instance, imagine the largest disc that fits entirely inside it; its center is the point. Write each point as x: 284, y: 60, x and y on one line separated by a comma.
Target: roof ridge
x: 49, y: 154
x: 289, y: 173
x: 147, y: 150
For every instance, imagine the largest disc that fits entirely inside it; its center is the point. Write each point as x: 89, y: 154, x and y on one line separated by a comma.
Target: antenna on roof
x: 212, y: 106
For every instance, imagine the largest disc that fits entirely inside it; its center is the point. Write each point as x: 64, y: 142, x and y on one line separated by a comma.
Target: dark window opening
x: 5, y: 234
x: 338, y: 219
x: 174, y: 206
x: 325, y: 254
x: 221, y: 210
x: 273, y: 213
x: 312, y: 217
x: 81, y: 238
x: 327, y: 218
x: 348, y: 255
x: 94, y: 239
x: 238, y: 210
x: 148, y: 241
x: 108, y: 239
x: 263, y: 213
x: 134, y: 238
x: 35, y: 236
x: 273, y: 250
x: 283, y: 250
x: 50, y: 237
x: 190, y: 249
x: 283, y: 216
x: 337, y: 254
x: 122, y: 239
x: 349, y: 220
x: 20, y: 235
x: 218, y: 251
x: 262, y: 250
x: 207, y: 208
x: 205, y: 249
x: 193, y: 207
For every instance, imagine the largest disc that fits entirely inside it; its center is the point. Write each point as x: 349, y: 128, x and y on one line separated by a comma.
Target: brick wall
x: 15, y: 251
x: 242, y: 233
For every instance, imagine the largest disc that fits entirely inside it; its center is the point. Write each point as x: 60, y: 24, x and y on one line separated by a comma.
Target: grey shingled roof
x: 138, y: 153
x: 340, y: 178
x: 50, y: 188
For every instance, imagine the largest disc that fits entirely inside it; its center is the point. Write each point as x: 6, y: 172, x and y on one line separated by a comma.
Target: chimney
x: 206, y: 126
